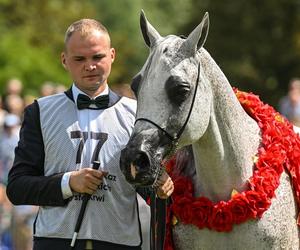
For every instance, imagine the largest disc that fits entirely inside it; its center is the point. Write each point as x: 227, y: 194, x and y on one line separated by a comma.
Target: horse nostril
x: 141, y: 162
x: 135, y: 165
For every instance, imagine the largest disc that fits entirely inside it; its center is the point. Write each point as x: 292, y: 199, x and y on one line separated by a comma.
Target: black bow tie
x: 83, y: 102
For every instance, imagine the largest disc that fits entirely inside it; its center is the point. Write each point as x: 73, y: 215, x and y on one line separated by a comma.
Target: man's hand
x: 86, y: 180
x: 165, y: 186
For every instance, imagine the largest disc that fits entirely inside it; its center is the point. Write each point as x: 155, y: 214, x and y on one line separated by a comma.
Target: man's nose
x: 90, y: 66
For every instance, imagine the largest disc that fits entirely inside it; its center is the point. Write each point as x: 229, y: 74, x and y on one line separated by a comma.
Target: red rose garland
x: 280, y: 151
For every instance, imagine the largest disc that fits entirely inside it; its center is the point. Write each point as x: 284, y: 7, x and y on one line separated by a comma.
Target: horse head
x: 173, y: 98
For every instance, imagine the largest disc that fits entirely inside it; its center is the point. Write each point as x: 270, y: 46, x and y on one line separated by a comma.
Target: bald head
x: 85, y: 27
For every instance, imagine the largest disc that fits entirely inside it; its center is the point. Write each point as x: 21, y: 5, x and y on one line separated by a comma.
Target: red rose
x: 271, y: 159
x: 169, y: 165
x: 201, y: 209
x: 183, y: 187
x: 266, y: 182
x: 221, y: 218
x: 182, y: 208
x: 258, y: 202
x: 240, y: 209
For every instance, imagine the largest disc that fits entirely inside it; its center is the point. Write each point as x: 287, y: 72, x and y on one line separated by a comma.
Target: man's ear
x: 112, y: 54
x: 63, y: 60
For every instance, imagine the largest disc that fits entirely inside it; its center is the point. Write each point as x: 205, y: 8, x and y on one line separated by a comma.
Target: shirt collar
x: 76, y: 91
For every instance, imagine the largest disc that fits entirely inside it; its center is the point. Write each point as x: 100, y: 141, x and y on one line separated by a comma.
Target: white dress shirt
x: 85, y: 119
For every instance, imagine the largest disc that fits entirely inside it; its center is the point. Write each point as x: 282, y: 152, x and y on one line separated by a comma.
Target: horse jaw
x: 200, y: 116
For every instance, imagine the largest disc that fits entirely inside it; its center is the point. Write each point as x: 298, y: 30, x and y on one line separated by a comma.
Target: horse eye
x: 177, y: 90
x: 135, y: 83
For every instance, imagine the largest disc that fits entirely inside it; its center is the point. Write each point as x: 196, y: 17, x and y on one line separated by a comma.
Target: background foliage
x: 256, y: 43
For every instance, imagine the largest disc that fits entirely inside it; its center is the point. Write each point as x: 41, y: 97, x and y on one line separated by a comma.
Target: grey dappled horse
x: 181, y: 92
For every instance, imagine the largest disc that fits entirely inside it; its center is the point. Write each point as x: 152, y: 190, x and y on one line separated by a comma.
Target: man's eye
x: 98, y: 57
x: 79, y: 59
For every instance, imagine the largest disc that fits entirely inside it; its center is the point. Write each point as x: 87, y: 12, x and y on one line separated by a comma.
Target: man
x: 289, y: 105
x: 60, y: 138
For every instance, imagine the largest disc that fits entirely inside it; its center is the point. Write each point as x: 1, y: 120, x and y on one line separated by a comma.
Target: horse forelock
x: 170, y: 51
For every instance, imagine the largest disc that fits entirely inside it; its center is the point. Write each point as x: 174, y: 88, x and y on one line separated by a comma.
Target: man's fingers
x: 169, y: 186
x: 163, y: 178
x: 96, y: 173
x: 165, y: 182
x: 170, y: 192
x: 165, y: 188
x: 86, y: 180
x: 89, y: 191
x: 93, y: 186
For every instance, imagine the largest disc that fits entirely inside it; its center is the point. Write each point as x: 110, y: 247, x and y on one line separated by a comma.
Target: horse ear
x: 198, y: 36
x: 149, y: 32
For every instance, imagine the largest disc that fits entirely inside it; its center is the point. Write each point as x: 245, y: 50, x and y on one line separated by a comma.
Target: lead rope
x: 153, y: 221
x: 158, y: 209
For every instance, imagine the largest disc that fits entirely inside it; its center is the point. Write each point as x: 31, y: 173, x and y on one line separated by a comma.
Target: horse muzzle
x: 137, y: 167
x: 141, y: 159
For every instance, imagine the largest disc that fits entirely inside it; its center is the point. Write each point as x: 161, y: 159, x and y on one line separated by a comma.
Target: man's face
x: 88, y: 60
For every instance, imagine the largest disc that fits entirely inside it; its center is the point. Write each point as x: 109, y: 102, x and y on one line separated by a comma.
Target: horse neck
x: 224, y: 155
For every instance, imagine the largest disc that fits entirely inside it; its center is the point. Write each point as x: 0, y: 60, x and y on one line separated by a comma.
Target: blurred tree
x: 32, y: 39
x: 256, y: 43
x: 122, y: 20
x: 32, y: 33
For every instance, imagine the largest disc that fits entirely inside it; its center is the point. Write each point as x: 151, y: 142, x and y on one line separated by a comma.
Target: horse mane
x: 212, y: 70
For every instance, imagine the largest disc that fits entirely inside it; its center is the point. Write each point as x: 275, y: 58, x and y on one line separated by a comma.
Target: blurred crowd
x: 289, y: 105
x: 16, y: 222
